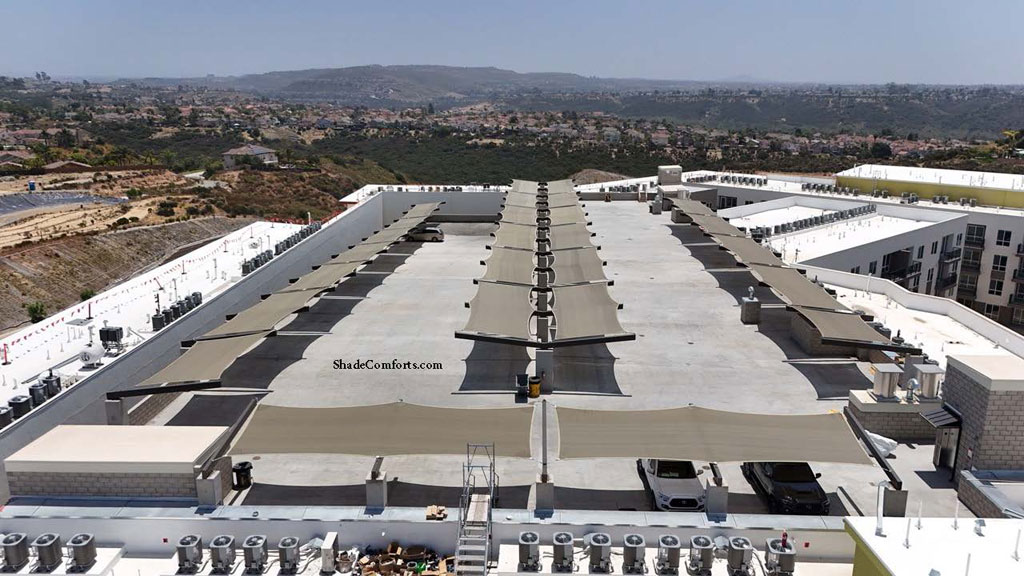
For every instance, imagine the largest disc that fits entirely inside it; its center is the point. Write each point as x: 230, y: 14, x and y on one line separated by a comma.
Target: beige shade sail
x: 324, y: 277
x: 385, y: 430
x: 692, y: 433
x: 519, y: 215
x: 795, y: 288
x: 579, y: 266
x: 844, y: 327
x: 716, y: 226
x: 522, y: 237
x: 205, y: 360
x: 358, y: 253
x: 510, y: 265
x: 692, y: 207
x: 570, y: 236
x: 586, y: 312
x: 500, y: 311
x: 265, y: 314
x: 567, y: 215
x: 421, y: 211
x: 530, y: 201
x: 748, y: 252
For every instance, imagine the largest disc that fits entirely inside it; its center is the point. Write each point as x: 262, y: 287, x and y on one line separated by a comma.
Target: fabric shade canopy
x: 716, y: 226
x: 385, y: 430
x: 587, y: 312
x: 693, y: 433
x: 692, y: 207
x: 500, y: 310
x: 580, y: 266
x: 205, y: 360
x: 748, y: 252
x: 392, y: 233
x: 845, y: 327
x: 567, y: 215
x: 358, y: 253
x: 570, y: 236
x: 522, y: 237
x: 795, y: 288
x: 530, y: 201
x: 324, y: 277
x: 264, y: 315
x: 510, y: 266
x: 421, y: 211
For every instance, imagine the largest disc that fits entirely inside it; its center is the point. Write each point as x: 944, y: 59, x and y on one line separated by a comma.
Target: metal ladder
x: 479, y: 492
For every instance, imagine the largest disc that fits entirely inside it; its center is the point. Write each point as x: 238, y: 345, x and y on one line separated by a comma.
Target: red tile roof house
x: 265, y: 155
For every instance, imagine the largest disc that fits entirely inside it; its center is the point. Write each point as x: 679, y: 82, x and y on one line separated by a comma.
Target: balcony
x: 1017, y: 299
x: 965, y: 291
x: 974, y: 241
x: 951, y: 255
x: 970, y: 265
x: 945, y: 282
x: 1018, y: 275
x: 913, y: 269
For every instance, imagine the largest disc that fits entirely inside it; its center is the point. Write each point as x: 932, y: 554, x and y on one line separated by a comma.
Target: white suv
x: 675, y: 484
x: 426, y: 234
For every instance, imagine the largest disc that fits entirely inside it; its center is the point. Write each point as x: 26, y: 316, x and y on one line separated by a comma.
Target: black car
x: 791, y: 487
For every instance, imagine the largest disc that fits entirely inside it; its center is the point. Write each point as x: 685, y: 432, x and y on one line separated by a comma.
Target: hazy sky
x: 927, y: 41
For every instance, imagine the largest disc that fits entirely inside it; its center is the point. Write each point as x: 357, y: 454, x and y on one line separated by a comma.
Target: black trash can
x: 243, y: 475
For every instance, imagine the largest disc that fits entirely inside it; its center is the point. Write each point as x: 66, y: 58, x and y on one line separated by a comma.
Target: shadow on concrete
x: 259, y: 367
x: 359, y: 285
x: 738, y: 281
x: 386, y: 263
x: 219, y: 410
x: 399, y: 494
x: 588, y: 499
x: 935, y: 479
x: 322, y: 316
x: 493, y: 367
x: 689, y: 234
x: 586, y: 369
x: 832, y: 379
x: 713, y: 257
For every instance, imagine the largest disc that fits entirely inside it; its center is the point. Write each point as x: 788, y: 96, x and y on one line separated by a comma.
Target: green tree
x: 36, y: 311
x: 881, y: 150
x: 86, y: 294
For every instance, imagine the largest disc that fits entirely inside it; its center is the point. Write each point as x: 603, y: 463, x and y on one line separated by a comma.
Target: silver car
x: 426, y: 234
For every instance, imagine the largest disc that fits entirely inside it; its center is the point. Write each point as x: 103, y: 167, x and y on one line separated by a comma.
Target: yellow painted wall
x: 926, y: 190
x: 865, y: 563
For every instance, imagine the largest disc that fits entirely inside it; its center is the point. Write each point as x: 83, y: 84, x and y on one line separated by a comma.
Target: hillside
x: 396, y: 85
x: 57, y: 272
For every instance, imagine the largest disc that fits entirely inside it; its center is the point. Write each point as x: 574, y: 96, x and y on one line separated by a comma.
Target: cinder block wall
x: 149, y: 407
x: 102, y: 484
x: 900, y: 426
x: 809, y: 339
x: 993, y: 423
x: 976, y: 501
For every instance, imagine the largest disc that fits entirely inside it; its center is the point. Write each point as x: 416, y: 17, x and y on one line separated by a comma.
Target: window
x: 999, y: 263
x: 935, y: 247
x: 920, y: 252
x: 968, y: 282
x: 972, y: 258
x: 873, y: 267
x: 1018, y: 316
x: 931, y: 274
x: 928, y: 287
x: 992, y: 311
x: 1003, y: 238
x: 747, y: 203
x: 995, y: 288
x: 975, y: 235
x: 959, y: 239
x: 855, y: 270
x: 916, y: 283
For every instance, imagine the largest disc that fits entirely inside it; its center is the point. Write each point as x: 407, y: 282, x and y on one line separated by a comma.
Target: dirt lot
x: 114, y: 183
x: 76, y: 220
x: 57, y: 271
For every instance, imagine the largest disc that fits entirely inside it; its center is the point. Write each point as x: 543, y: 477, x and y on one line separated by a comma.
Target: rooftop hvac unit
x: 48, y: 551
x: 111, y: 336
x: 222, y: 554
x: 82, y: 549
x: 37, y: 391
x: 6, y: 416
x: 740, y: 556
x: 930, y: 377
x: 254, y: 550
x: 886, y: 379
x: 20, y: 405
x: 92, y: 355
x: 668, y: 554
x: 529, y: 551
x: 633, y: 548
x: 288, y: 554
x: 702, y: 555
x: 779, y: 557
x: 562, y: 552
x: 52, y: 382
x: 15, y: 547
x: 600, y: 552
x: 190, y: 553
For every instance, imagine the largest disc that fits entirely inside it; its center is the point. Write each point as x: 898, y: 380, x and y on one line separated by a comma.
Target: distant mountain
x: 386, y: 85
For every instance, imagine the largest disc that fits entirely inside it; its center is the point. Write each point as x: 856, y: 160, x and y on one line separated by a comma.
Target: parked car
x: 790, y: 487
x: 426, y: 234
x: 674, y: 484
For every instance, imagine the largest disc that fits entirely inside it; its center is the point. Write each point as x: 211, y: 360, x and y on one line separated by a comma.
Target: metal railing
x: 975, y: 241
x: 950, y: 255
